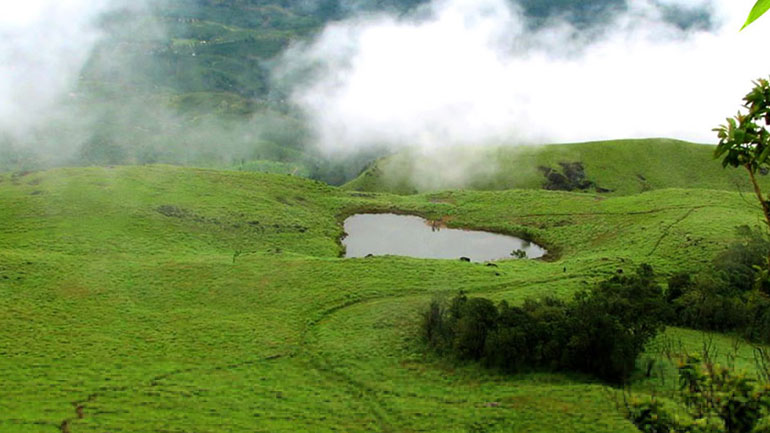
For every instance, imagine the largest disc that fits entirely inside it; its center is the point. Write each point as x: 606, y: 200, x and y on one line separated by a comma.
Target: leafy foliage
x: 732, y: 295
x: 601, y: 332
x: 715, y: 399
x: 744, y: 141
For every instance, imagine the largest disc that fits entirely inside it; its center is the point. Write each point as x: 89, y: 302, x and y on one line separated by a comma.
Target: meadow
x: 167, y: 299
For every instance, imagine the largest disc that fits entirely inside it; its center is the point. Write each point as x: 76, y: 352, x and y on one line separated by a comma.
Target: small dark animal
x: 492, y: 265
x: 465, y: 259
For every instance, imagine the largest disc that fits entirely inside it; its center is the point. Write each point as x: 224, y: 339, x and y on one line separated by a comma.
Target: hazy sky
x: 473, y: 73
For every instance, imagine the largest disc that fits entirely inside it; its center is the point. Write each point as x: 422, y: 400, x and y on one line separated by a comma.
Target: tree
x: 611, y: 324
x: 745, y: 142
x: 101, y: 149
x: 476, y: 319
x: 757, y: 11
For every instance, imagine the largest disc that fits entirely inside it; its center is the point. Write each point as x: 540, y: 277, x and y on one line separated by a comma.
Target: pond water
x: 411, y: 236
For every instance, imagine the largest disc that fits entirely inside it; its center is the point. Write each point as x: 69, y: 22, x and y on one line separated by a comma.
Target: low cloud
x: 77, y: 86
x: 43, y: 46
x: 449, y: 73
x: 472, y: 72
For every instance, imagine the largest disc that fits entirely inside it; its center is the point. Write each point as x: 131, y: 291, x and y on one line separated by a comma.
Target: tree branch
x: 758, y: 192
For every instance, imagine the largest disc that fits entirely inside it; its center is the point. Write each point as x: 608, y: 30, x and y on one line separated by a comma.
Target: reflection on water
x: 388, y: 234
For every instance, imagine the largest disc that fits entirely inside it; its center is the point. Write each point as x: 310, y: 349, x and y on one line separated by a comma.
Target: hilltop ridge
x: 617, y: 167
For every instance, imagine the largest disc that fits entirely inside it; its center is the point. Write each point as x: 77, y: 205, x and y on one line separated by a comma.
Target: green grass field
x: 163, y: 299
x: 622, y: 166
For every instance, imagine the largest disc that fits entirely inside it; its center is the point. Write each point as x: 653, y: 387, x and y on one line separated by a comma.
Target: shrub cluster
x: 732, y: 295
x: 599, y: 332
x: 715, y: 399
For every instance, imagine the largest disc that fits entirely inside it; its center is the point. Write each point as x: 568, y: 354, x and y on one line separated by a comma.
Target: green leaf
x: 763, y: 156
x: 719, y: 151
x: 760, y: 8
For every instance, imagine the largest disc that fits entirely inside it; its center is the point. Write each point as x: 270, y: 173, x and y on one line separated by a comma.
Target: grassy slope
x: 624, y: 166
x: 145, y: 321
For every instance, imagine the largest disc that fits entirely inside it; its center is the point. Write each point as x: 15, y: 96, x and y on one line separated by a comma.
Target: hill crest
x: 617, y: 167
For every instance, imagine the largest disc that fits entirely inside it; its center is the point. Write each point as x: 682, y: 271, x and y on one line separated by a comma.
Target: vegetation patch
x: 730, y: 296
x: 572, y: 178
x: 601, y: 332
x: 712, y: 398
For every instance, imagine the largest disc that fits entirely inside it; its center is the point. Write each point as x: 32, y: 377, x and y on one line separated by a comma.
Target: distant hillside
x: 620, y: 167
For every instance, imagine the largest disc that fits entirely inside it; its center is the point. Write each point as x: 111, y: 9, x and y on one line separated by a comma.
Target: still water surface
x: 399, y: 235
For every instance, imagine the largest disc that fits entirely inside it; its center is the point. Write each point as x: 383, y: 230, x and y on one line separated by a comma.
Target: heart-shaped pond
x: 412, y: 236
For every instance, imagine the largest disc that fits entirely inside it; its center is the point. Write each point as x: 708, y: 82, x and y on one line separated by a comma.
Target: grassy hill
x: 169, y: 299
x: 622, y: 167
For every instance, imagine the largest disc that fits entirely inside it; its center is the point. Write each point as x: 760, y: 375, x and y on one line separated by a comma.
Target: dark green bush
x: 732, y: 295
x: 601, y: 332
x: 611, y: 324
x: 678, y: 284
x: 101, y: 149
x: 473, y: 320
x: 739, y: 265
x: 435, y: 327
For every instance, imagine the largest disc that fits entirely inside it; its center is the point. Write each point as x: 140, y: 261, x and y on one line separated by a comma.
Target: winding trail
x: 371, y: 395
x: 81, y: 405
x: 668, y: 228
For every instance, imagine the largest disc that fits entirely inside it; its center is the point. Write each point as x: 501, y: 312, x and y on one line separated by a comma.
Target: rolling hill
x: 619, y: 167
x: 160, y: 298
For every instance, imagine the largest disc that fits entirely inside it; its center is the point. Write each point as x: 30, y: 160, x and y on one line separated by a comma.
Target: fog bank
x: 472, y: 72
